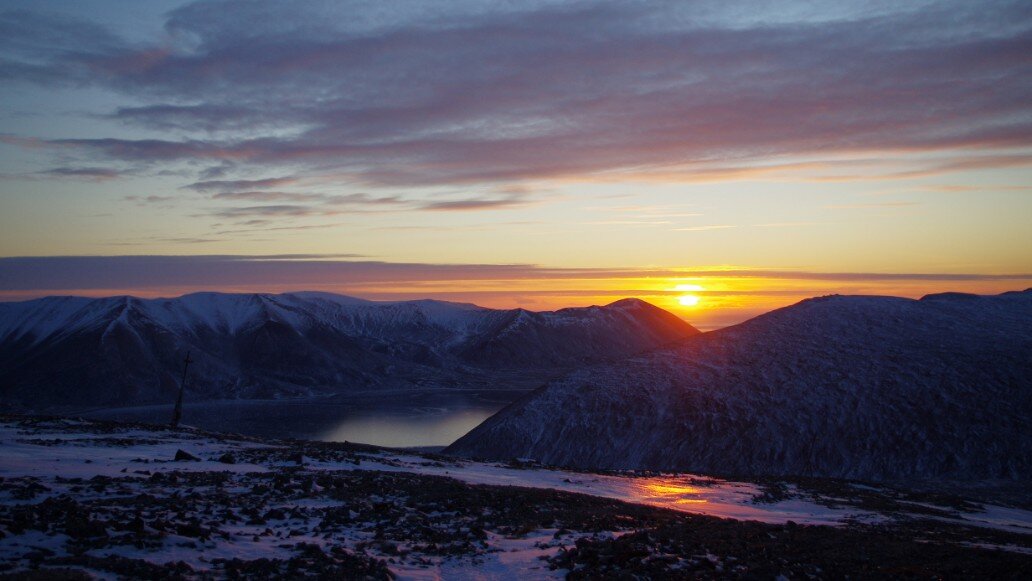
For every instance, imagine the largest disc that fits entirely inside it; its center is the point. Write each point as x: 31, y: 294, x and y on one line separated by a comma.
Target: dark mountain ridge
x: 74, y: 352
x: 874, y: 388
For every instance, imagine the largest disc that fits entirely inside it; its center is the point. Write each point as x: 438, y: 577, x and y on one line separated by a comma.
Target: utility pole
x: 177, y: 413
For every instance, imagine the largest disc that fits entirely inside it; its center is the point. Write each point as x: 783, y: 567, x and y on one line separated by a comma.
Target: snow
x: 215, y: 311
x: 720, y: 498
x: 128, y: 351
x: 32, y: 540
x: 86, y: 455
x: 221, y: 312
x: 509, y: 558
x: 1002, y: 518
x: 64, y: 455
x: 865, y: 388
x: 997, y: 547
x: 42, y: 318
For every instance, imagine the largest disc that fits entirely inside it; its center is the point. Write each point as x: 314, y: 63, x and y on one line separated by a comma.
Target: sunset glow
x: 672, y: 491
x: 727, y: 296
x: 701, y: 158
x: 518, y: 282
x: 688, y: 300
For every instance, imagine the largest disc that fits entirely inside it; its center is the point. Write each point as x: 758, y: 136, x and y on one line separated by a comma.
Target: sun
x: 688, y: 300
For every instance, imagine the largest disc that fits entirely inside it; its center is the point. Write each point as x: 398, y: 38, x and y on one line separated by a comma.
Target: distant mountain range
x: 873, y: 388
x: 61, y: 353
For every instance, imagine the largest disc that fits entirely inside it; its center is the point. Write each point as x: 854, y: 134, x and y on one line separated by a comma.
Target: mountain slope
x: 583, y: 335
x: 846, y: 386
x: 78, y: 352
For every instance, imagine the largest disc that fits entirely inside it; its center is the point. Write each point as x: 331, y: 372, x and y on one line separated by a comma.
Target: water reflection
x: 670, y: 491
x: 414, y: 422
x: 438, y: 428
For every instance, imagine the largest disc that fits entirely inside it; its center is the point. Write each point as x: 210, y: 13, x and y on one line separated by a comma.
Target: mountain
x: 73, y: 352
x: 872, y: 388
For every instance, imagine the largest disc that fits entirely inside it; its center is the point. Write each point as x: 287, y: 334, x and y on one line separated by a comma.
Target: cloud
x: 362, y: 199
x: 187, y: 240
x: 372, y: 95
x: 315, y: 271
x: 273, y: 210
x: 872, y: 205
x: 99, y: 174
x: 263, y: 225
x: 52, y: 49
x: 23, y: 142
x: 628, y: 222
x: 209, y: 118
x: 511, y: 200
x: 784, y: 224
x: 143, y: 200
x: 266, y: 196
x: 231, y: 185
x: 300, y: 205
x: 703, y: 228
x: 731, y: 295
x: 358, y: 199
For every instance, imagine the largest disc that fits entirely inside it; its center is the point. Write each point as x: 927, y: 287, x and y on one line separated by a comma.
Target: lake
x: 395, y: 420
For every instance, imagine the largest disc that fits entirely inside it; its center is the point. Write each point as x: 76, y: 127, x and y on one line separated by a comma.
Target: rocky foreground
x: 87, y: 499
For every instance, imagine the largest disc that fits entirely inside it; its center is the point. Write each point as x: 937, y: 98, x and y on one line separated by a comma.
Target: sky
x: 719, y: 159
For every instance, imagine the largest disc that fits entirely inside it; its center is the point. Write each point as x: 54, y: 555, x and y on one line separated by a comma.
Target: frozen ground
x: 109, y: 499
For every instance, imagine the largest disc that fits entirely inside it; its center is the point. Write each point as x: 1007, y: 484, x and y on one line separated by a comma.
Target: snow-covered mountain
x: 75, y: 352
x: 874, y: 388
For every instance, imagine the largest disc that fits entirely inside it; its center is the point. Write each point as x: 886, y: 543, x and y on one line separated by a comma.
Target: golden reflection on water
x: 671, y: 491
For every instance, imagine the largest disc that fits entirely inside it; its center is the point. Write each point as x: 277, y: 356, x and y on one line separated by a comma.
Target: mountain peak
x: 56, y: 351
x: 951, y: 296
x: 630, y: 302
x: 854, y: 387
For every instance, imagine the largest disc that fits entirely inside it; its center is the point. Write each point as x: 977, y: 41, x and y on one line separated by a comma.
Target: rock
x: 79, y: 527
x: 192, y: 529
x: 182, y: 456
x: 227, y: 458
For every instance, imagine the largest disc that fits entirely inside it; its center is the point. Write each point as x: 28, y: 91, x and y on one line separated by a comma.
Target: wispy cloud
x: 265, y: 226
x: 703, y: 228
x: 784, y: 224
x: 99, y: 174
x: 221, y: 186
x: 272, y: 210
x: 328, y: 199
x: 269, y: 196
x: 730, y: 294
x: 594, y: 89
x: 187, y: 240
x: 872, y: 205
x: 313, y: 270
x: 145, y: 200
x: 488, y: 202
